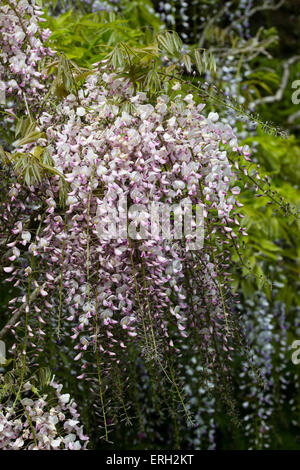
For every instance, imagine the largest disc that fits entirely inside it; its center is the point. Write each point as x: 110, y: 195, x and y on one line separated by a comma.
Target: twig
x: 264, y: 6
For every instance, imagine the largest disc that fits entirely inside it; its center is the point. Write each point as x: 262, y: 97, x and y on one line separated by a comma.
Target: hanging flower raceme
x: 99, y: 202
x: 118, y: 283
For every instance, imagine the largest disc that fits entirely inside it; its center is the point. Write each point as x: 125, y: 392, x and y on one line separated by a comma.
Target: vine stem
x: 17, y: 315
x: 138, y: 295
x: 31, y: 427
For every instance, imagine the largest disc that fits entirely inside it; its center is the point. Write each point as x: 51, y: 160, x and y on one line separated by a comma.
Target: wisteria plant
x: 130, y: 312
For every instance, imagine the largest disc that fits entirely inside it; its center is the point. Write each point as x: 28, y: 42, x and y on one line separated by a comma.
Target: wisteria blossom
x: 22, y: 51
